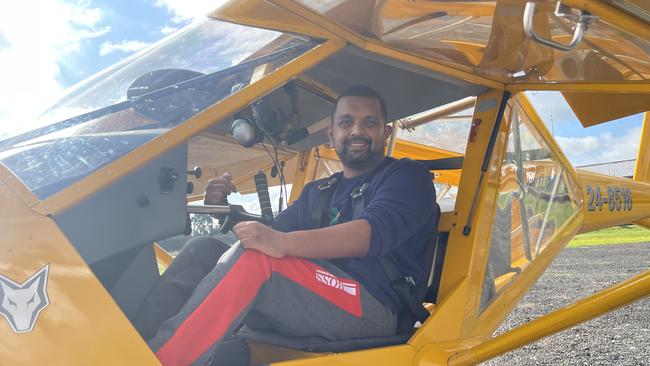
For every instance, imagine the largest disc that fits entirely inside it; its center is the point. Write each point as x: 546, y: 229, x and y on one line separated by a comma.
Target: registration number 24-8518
x: 617, y: 199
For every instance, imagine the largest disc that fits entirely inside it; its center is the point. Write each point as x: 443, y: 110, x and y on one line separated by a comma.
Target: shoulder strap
x: 359, y: 199
x: 404, y: 286
x: 320, y: 212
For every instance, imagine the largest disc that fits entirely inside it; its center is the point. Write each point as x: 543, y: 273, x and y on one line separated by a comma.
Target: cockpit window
x: 455, y: 128
x: 123, y: 107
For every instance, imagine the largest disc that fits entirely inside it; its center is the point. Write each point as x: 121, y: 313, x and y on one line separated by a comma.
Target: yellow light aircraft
x: 87, y: 193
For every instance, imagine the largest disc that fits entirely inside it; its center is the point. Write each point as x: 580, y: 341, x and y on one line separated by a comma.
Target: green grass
x: 613, y: 235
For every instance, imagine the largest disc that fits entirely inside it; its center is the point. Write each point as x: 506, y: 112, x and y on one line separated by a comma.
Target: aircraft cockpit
x: 117, y: 167
x: 122, y: 109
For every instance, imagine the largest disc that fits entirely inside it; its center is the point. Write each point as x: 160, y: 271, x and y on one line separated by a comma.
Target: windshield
x: 121, y: 108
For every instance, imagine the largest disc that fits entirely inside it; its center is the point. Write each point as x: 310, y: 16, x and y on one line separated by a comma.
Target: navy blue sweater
x: 400, y: 209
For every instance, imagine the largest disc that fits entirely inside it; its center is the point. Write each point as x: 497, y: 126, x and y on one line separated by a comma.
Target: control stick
x: 237, y: 213
x: 262, y: 187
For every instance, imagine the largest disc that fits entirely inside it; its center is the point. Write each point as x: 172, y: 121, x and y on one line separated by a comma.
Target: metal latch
x: 582, y: 22
x: 166, y: 179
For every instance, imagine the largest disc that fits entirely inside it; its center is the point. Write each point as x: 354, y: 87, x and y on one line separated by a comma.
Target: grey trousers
x: 293, y: 296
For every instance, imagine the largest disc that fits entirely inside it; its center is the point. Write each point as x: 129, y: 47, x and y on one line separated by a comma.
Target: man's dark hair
x: 361, y: 91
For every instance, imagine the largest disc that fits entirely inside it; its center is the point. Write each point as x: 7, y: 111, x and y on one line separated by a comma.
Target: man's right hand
x: 218, y: 189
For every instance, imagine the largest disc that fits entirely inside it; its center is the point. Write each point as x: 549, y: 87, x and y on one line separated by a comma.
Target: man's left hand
x: 255, y: 235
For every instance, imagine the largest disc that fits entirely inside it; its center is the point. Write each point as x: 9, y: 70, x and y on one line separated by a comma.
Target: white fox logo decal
x: 21, y: 303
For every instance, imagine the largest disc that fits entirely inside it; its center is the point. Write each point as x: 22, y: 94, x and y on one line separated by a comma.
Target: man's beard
x: 358, y: 159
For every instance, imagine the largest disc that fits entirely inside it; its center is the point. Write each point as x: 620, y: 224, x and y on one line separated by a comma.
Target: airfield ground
x: 619, y: 338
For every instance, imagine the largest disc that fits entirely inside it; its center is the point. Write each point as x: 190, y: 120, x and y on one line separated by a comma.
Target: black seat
x: 318, y: 344
x: 436, y: 253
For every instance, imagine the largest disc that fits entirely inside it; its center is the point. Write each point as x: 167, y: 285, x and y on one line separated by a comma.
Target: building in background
x: 621, y: 168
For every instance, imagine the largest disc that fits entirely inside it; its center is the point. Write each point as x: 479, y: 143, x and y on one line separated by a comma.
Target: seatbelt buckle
x: 410, y: 281
x: 327, y: 184
x: 360, y: 191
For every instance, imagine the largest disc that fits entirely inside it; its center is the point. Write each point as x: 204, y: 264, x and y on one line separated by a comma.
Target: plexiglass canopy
x: 123, y: 107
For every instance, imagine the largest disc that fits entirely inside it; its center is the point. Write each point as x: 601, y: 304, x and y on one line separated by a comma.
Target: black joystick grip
x: 262, y: 188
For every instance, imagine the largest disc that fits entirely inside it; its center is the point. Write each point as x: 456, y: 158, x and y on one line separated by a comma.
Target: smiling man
x: 360, y: 146
x: 318, y: 271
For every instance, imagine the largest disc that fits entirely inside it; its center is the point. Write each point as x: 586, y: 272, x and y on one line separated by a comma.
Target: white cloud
x: 34, y: 40
x: 124, y: 46
x: 184, y: 10
x: 603, y: 148
x: 168, y: 30
x: 251, y: 202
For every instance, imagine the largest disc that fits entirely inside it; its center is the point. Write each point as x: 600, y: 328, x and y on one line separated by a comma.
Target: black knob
x: 190, y: 187
x: 196, y: 172
x: 166, y: 179
x: 143, y: 201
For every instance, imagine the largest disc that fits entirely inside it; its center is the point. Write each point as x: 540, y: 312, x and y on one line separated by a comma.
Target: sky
x: 51, y: 45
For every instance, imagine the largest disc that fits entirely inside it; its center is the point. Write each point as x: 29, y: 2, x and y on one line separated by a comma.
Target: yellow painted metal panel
x: 595, y: 108
x: 414, y: 150
x: 162, y: 257
x: 631, y: 87
x: 643, y: 223
x: 596, y: 103
x: 402, y: 355
x: 321, y: 21
x: 82, y: 325
x: 448, y: 220
x: 466, y: 254
x: 264, y: 14
x: 406, y: 149
x: 17, y: 186
x: 642, y: 167
x: 612, y: 212
x: 303, y: 161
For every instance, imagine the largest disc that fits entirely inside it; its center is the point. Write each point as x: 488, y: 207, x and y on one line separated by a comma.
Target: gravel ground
x: 621, y: 337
